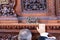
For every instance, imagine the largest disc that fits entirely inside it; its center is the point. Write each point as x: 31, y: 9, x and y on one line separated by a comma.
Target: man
x: 43, y: 34
x: 25, y: 34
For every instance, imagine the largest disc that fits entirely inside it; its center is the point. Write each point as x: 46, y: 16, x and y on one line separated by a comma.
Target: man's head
x: 25, y: 34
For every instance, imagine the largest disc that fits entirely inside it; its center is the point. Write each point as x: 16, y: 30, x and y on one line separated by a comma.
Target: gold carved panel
x: 4, y: 1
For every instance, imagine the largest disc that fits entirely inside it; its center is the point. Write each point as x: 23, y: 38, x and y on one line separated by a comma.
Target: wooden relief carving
x: 7, y: 9
x: 32, y: 20
x: 58, y: 7
x: 4, y: 1
x: 34, y: 5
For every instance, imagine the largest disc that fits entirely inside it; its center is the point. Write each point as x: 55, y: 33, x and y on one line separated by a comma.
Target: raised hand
x: 41, y: 28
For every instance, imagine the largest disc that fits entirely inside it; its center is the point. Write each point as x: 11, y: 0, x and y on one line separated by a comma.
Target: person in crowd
x: 44, y: 35
x: 25, y: 34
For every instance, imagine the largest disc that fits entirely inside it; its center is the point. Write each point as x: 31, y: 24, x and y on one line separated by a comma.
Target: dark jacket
x: 42, y: 38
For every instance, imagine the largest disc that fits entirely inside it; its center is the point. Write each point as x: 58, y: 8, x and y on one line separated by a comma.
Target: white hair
x: 25, y: 34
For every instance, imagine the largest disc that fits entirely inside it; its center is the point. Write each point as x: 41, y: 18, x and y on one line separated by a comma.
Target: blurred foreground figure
x: 25, y: 34
x: 43, y: 34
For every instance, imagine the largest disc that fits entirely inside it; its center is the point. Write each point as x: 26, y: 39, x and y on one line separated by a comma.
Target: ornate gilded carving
x: 51, y: 28
x: 32, y: 20
x: 4, y: 1
x: 8, y: 36
x: 34, y: 5
x: 7, y: 9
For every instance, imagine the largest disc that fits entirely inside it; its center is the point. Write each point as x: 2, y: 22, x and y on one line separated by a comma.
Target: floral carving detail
x: 30, y: 5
